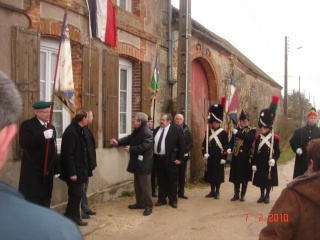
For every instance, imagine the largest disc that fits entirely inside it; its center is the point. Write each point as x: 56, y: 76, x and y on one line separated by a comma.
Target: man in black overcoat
x: 300, y: 139
x: 74, y: 164
x: 140, y: 146
x: 33, y: 136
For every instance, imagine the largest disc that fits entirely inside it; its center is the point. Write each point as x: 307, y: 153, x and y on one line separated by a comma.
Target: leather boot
x: 261, y: 199
x: 243, y: 192
x: 236, y: 192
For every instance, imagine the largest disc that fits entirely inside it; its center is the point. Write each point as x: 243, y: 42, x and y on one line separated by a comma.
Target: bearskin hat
x: 267, y: 115
x: 216, y: 111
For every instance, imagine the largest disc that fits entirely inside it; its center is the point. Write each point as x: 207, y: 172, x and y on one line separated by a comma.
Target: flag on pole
x: 233, y: 102
x: 64, y: 86
x: 155, y: 81
x: 102, y: 15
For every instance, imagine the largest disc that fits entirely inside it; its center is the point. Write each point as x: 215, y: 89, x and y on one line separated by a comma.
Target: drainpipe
x: 171, y: 80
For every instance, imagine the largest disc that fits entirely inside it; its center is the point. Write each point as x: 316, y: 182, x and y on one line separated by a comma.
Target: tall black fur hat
x: 216, y: 112
x: 267, y: 115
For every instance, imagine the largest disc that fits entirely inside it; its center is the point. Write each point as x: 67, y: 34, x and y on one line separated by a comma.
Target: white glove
x: 229, y: 151
x: 48, y: 133
x: 271, y: 162
x: 235, y: 131
x: 206, y: 155
x: 56, y: 175
x: 222, y: 161
x: 299, y: 151
x: 254, y: 168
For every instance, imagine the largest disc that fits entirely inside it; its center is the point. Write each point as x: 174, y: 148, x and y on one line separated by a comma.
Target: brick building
x: 114, y: 81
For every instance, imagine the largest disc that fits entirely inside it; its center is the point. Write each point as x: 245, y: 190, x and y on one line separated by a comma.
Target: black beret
x: 149, y: 118
x: 41, y: 105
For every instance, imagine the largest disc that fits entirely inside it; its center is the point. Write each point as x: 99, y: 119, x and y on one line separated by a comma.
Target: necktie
x: 45, y: 125
x: 160, y: 141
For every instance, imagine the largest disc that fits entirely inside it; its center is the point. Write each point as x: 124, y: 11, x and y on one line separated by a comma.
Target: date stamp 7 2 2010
x: 272, y: 217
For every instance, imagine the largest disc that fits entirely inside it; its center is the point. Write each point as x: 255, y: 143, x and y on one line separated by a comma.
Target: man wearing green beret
x: 33, y: 136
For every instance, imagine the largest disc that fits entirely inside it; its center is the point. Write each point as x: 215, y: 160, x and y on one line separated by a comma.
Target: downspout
x: 171, y: 80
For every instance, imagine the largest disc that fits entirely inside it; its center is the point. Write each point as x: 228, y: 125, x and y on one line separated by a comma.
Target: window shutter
x: 90, y: 84
x: 146, y: 80
x: 110, y: 96
x: 25, y: 73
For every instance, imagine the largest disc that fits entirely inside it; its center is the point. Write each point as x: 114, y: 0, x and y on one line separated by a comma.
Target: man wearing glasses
x: 33, y: 136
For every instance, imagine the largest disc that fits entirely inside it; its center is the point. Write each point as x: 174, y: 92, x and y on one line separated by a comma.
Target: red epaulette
x: 202, y: 148
x: 256, y: 137
x: 277, y: 137
x: 227, y: 132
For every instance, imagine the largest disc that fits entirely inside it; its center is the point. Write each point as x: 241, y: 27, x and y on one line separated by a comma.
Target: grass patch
x: 199, y: 184
x: 286, y: 156
x: 127, y: 194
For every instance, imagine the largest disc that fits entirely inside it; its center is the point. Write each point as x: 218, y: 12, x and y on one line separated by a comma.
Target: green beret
x: 41, y: 105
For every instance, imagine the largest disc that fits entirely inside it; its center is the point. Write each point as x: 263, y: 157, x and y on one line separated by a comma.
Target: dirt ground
x: 195, y: 218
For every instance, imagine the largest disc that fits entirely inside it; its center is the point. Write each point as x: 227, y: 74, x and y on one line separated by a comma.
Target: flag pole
x: 45, y: 165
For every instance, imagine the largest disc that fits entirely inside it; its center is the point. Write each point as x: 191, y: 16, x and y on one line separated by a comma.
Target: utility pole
x: 285, y: 100
x: 183, y: 84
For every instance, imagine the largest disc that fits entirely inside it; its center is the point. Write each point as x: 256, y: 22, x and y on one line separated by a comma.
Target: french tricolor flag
x: 103, y: 21
x: 233, y: 102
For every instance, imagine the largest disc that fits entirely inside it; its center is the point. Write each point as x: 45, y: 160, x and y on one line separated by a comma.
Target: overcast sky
x: 258, y: 29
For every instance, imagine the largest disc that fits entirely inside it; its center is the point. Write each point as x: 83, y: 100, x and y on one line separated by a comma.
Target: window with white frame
x: 125, y: 84
x: 48, y: 59
x: 125, y: 4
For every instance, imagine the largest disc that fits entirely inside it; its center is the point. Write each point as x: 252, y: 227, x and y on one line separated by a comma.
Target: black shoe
x: 85, y: 216
x: 260, y: 200
x: 243, y: 198
x: 174, y: 204
x: 90, y: 212
x: 266, y: 199
x: 183, y: 196
x: 217, y: 196
x: 211, y: 194
x: 147, y: 212
x: 80, y: 223
x: 159, y: 203
x: 154, y: 195
x: 135, y: 206
x: 235, y: 198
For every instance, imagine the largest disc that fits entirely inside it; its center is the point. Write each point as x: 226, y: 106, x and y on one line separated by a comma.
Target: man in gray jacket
x: 140, y: 146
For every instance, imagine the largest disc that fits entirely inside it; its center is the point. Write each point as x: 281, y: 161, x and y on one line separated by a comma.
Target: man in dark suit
x: 169, y: 148
x: 179, y: 121
x: 33, y: 136
x: 74, y: 164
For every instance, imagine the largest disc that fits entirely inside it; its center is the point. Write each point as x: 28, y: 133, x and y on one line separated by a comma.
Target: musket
x: 271, y: 151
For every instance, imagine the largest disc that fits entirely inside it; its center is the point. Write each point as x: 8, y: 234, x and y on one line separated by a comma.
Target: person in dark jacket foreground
x: 21, y: 219
x: 296, y: 213
x: 140, y: 146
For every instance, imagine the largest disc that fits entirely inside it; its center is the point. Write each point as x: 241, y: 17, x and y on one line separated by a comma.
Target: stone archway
x: 204, y: 87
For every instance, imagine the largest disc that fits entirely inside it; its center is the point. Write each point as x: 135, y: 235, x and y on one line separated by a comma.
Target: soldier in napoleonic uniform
x: 264, y: 163
x: 217, y: 150
x: 241, y: 142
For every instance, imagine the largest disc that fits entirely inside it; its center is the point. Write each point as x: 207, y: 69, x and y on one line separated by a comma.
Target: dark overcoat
x: 300, y: 139
x: 74, y: 156
x: 215, y: 170
x: 240, y: 170
x: 92, y: 158
x: 141, y: 150
x: 261, y: 160
x: 32, y: 182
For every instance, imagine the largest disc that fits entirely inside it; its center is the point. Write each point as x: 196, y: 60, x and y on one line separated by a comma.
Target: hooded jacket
x: 297, y: 210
